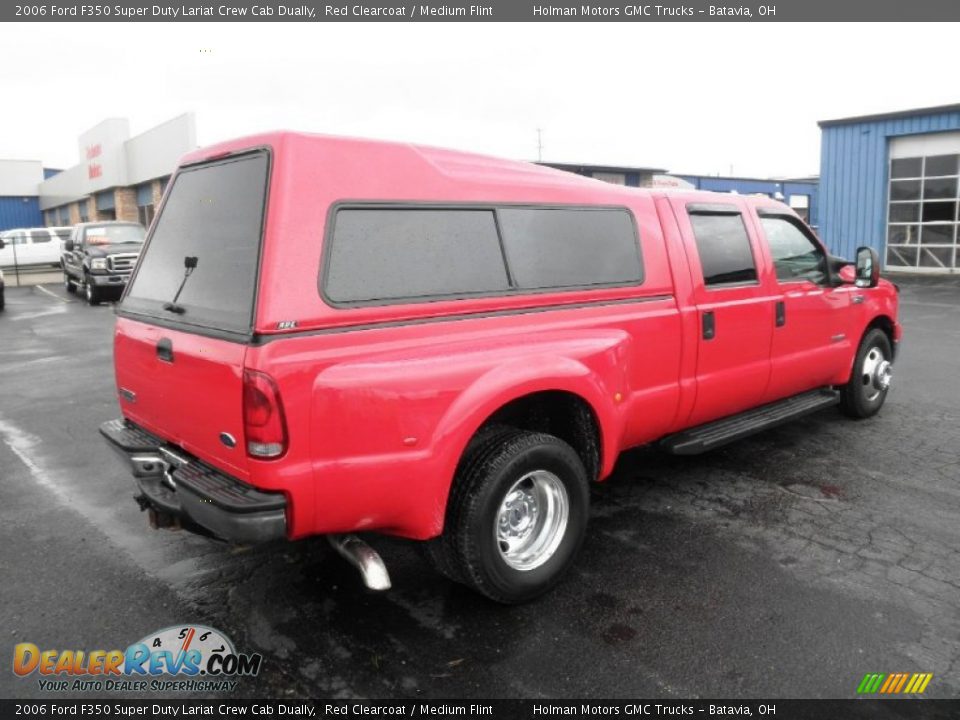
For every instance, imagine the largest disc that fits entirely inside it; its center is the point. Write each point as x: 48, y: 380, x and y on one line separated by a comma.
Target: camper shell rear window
x: 214, y: 212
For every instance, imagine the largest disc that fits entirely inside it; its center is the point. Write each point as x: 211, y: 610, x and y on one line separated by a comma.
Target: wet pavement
x: 786, y: 565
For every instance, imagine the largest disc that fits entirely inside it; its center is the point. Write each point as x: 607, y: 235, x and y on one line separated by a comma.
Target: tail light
x: 263, y: 420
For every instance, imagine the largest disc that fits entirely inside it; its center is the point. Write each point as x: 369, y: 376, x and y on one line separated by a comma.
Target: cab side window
x: 795, y: 256
x: 724, y: 248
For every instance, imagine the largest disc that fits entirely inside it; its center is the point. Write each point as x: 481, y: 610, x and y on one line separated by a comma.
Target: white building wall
x: 20, y: 178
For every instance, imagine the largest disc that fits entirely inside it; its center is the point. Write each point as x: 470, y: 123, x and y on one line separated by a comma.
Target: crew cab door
x: 811, y: 345
x: 735, y: 310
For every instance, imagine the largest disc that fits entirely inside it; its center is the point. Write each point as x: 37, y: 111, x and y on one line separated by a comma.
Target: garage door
x: 923, y: 203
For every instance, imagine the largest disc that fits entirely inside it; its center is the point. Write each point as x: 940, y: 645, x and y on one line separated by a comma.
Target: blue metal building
x: 890, y: 181
x: 20, y: 212
x: 802, y: 194
x: 19, y: 193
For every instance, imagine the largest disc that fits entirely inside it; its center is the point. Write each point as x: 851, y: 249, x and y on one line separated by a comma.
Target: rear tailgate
x: 194, y: 399
x: 187, y: 317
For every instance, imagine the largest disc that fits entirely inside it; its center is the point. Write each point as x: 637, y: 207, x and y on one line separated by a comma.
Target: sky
x: 740, y: 99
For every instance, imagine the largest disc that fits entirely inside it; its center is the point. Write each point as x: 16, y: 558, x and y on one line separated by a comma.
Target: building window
x: 84, y: 207
x: 145, y: 214
x: 922, y: 216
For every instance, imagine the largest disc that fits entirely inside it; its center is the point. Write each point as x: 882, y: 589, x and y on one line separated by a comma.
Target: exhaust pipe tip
x: 364, y: 558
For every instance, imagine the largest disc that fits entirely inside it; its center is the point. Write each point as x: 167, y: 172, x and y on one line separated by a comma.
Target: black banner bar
x: 479, y: 11
x: 493, y: 709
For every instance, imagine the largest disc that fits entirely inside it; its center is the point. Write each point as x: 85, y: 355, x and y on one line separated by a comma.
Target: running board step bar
x: 720, y: 432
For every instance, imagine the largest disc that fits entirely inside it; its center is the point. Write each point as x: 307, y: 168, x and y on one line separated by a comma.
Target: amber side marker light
x: 264, y: 423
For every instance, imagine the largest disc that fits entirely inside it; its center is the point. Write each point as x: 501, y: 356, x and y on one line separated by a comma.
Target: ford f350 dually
x: 326, y: 336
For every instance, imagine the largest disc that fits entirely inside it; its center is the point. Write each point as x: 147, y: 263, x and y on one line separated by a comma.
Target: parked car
x: 328, y: 335
x: 28, y: 247
x: 99, y: 257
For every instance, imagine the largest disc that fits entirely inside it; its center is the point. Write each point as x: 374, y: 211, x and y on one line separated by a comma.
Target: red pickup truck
x: 327, y: 336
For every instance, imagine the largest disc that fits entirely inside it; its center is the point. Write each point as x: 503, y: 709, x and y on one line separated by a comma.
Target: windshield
x: 214, y: 213
x: 114, y: 234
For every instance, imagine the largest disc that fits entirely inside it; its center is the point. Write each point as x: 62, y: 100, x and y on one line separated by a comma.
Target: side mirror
x: 2, y: 244
x: 848, y: 274
x: 68, y: 245
x: 868, y: 267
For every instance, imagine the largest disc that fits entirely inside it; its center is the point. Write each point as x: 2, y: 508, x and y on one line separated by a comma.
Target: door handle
x: 165, y: 350
x: 709, y: 325
x: 781, y: 313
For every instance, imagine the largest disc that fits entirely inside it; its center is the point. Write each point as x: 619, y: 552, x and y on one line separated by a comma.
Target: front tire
x: 865, y: 393
x: 517, y: 515
x: 91, y: 292
x: 68, y: 284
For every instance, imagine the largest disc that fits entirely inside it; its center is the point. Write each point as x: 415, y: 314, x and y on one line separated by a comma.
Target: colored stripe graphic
x: 894, y: 683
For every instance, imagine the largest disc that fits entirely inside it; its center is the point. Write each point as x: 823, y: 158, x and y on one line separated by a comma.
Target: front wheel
x: 864, y: 394
x: 91, y: 292
x: 517, y: 515
x: 68, y: 284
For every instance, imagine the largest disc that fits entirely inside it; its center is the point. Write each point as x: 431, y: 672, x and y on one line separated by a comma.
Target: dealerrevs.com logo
x: 186, y: 658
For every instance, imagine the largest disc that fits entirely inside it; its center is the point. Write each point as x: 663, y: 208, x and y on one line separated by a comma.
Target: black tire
x: 3, y: 301
x: 494, y: 465
x: 861, y: 397
x: 91, y: 292
x: 440, y: 551
x: 68, y: 284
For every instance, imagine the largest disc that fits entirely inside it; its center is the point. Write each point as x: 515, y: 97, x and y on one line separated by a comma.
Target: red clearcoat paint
x: 380, y: 402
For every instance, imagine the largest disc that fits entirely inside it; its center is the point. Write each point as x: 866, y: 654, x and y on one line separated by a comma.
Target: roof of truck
x: 426, y: 166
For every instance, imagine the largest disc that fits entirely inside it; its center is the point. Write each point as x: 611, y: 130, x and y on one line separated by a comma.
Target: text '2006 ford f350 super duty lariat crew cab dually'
x: 326, y: 336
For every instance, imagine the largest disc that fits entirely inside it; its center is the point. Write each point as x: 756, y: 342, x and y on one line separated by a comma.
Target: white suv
x: 32, y: 246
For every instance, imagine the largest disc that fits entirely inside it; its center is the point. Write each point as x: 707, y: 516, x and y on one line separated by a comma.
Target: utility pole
x: 539, y: 145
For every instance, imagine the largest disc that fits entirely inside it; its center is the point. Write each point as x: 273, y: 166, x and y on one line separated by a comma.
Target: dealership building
x: 117, y: 177
x: 890, y: 181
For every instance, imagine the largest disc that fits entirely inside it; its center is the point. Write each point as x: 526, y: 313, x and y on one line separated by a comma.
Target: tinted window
x: 939, y: 212
x: 388, y: 254
x: 40, y: 236
x: 795, y: 256
x: 906, y: 167
x: 214, y: 213
x: 724, y: 249
x: 942, y: 165
x: 555, y: 248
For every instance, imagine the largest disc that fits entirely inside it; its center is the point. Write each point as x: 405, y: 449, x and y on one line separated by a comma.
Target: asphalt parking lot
x: 786, y: 565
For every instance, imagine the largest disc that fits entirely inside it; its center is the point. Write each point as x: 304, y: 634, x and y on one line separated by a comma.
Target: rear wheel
x: 517, y: 515
x: 91, y: 292
x: 864, y: 394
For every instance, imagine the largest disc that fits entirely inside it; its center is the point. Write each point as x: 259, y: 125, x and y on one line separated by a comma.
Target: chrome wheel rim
x: 876, y: 374
x: 532, y: 520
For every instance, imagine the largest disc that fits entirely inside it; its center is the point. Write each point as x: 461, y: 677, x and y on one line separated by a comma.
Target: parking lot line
x: 42, y: 289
